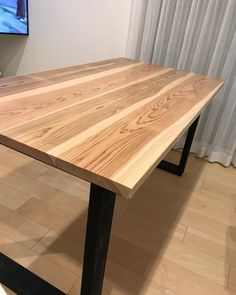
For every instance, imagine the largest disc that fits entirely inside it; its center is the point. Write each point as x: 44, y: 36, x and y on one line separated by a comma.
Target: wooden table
x: 110, y: 123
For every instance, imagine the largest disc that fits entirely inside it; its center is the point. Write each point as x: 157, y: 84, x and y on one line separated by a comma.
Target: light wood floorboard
x: 177, y: 236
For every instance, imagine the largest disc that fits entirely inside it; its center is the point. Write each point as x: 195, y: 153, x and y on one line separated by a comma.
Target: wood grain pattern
x: 109, y: 122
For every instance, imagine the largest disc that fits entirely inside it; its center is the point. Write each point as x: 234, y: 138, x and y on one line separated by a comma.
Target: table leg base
x: 170, y: 167
x: 22, y: 281
x: 180, y: 168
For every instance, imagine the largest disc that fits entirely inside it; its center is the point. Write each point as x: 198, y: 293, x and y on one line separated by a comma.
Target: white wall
x: 64, y: 33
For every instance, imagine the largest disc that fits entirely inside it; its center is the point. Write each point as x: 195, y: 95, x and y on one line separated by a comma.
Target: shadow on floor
x: 142, y: 229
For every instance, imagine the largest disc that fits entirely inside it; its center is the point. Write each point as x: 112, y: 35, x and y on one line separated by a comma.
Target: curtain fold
x: 197, y: 36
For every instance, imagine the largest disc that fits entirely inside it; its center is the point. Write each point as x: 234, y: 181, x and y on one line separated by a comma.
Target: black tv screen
x: 14, y: 17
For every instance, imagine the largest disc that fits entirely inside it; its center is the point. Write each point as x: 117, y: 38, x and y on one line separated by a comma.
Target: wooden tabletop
x: 109, y: 122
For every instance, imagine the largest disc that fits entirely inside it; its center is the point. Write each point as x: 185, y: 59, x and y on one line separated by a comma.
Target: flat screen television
x: 14, y: 17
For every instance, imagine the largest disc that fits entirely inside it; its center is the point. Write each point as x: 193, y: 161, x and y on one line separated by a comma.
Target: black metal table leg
x: 22, y: 281
x: 100, y: 214
x: 179, y: 169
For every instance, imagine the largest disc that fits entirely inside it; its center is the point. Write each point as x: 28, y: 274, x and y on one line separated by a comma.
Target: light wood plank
x: 68, y: 184
x: 227, y: 190
x: 42, y: 267
x: 48, y: 216
x: 109, y: 122
x: 68, y: 252
x: 19, y: 228
x: 198, y: 262
x: 87, y: 112
x: 61, y: 250
x: 204, y: 224
x: 12, y: 85
x: 214, y: 199
x: 61, y: 200
x: 12, y: 198
x: 138, y: 233
x: 232, y: 279
x: 224, y: 250
x: 64, y: 98
x: 112, y: 288
x: 228, y: 216
x: 183, y: 281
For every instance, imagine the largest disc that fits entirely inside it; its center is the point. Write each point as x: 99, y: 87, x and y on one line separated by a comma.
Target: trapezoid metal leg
x: 180, y: 168
x: 22, y: 281
x: 99, y: 223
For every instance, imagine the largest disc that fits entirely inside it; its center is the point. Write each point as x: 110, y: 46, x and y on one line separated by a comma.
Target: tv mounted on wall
x: 14, y: 17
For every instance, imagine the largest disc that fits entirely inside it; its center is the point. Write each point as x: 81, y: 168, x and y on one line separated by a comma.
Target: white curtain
x: 198, y: 36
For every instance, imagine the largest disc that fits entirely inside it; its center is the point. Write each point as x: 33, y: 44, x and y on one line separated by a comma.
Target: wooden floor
x: 177, y: 236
